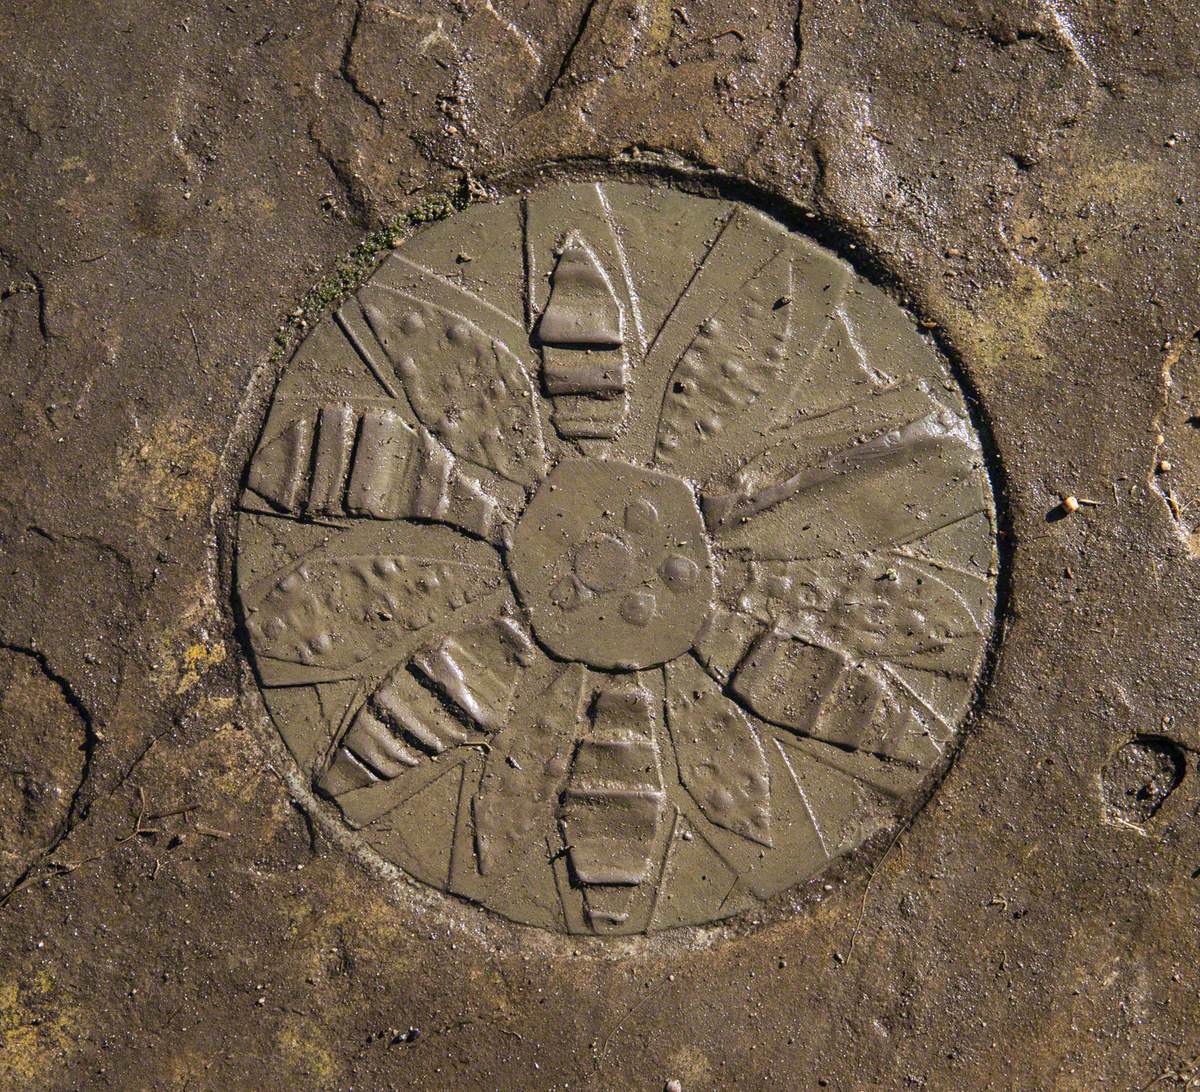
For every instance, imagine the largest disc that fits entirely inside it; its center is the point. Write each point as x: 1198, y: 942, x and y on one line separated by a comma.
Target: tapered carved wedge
x: 581, y: 332
x: 370, y: 463
x: 613, y: 805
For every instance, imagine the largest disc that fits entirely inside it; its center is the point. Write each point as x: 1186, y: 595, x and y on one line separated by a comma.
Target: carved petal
x: 464, y: 385
x: 824, y: 693
x: 741, y: 368
x: 613, y: 804
x: 879, y: 471
x: 401, y: 725
x: 526, y: 768
x: 905, y: 615
x: 582, y: 309
x: 367, y: 461
x: 406, y: 719
x: 335, y: 612
x: 721, y: 761
x: 883, y: 606
x: 478, y: 669
x: 811, y: 689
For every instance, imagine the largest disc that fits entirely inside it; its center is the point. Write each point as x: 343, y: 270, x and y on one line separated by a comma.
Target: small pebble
x: 1070, y: 504
x: 1164, y: 465
x: 673, y: 1085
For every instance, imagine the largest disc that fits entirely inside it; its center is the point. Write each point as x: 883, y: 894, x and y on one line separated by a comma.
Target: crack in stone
x: 40, y: 289
x: 344, y: 68
x: 352, y: 188
x: 797, y: 44
x: 25, y: 878
x: 569, y: 54
x: 77, y: 811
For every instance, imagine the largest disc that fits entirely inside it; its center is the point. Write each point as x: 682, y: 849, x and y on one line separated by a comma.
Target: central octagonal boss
x: 612, y: 562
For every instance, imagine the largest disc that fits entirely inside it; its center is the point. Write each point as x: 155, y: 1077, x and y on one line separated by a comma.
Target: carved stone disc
x: 616, y: 559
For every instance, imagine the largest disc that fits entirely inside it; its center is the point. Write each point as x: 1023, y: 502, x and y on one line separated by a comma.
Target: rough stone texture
x: 176, y: 177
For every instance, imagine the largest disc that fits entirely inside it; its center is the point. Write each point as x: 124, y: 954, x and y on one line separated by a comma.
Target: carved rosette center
x: 613, y: 565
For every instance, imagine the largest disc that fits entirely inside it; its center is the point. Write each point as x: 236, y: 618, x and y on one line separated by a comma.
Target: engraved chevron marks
x: 616, y: 560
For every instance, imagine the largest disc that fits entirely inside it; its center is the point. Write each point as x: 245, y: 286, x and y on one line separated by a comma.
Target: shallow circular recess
x: 616, y: 559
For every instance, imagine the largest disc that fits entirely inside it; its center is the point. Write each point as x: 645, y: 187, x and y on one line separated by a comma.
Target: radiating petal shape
x: 582, y: 309
x: 277, y: 472
x: 721, y: 761
x: 613, y: 804
x: 811, y: 689
x: 465, y: 386
x: 745, y: 362
x: 905, y: 615
x: 881, y: 606
x: 478, y: 669
x: 824, y: 693
x: 400, y: 726
x: 334, y: 612
x: 442, y: 697
x: 877, y: 472
x: 526, y: 769
x: 367, y: 461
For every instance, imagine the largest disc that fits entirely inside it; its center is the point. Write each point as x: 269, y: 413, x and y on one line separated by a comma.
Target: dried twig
x: 64, y: 868
x: 862, y: 909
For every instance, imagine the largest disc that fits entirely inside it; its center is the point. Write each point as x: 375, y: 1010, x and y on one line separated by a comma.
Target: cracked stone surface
x: 1021, y: 176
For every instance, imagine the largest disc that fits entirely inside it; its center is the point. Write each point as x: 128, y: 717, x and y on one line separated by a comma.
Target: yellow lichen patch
x: 691, y: 1067
x: 303, y: 1056
x: 171, y: 470
x: 1062, y: 262
x: 1008, y: 325
x: 233, y: 769
x: 659, y: 24
x: 1115, y: 180
x: 364, y: 928
x: 183, y: 649
x: 197, y: 659
x: 33, y: 1031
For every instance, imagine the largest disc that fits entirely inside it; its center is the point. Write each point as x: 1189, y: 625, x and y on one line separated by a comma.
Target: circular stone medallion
x: 616, y: 559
